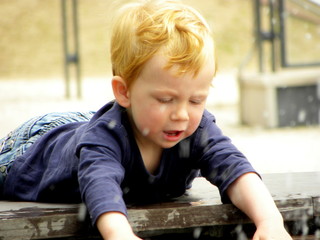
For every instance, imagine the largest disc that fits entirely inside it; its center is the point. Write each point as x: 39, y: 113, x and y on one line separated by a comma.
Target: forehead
x: 156, y: 69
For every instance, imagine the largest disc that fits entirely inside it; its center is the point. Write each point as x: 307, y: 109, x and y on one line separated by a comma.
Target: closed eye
x: 196, y: 101
x: 165, y: 100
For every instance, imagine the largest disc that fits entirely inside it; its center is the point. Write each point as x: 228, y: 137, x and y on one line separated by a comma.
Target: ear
x: 120, y: 91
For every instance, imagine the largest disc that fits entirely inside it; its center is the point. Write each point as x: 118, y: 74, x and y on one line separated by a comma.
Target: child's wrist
x: 274, y: 219
x: 111, y: 224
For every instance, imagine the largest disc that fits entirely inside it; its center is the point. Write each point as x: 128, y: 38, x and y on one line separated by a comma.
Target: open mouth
x: 173, y: 135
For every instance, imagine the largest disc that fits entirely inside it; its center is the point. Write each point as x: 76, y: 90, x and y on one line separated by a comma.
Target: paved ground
x: 269, y: 150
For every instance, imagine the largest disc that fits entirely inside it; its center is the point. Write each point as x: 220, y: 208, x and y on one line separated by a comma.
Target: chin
x: 169, y: 145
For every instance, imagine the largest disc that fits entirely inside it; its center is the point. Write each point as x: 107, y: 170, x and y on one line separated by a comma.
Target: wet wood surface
x: 297, y: 196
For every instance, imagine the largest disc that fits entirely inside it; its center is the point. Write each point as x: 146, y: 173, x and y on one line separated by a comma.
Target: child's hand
x: 115, y: 226
x: 250, y: 195
x: 271, y: 230
x: 122, y: 236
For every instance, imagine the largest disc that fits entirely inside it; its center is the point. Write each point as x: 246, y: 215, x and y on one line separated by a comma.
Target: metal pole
x: 282, y: 33
x: 272, y: 36
x: 257, y: 13
x: 76, y: 43
x: 65, y: 48
x: 71, y: 58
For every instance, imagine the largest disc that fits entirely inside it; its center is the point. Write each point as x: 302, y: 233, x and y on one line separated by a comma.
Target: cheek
x: 149, y: 119
x: 194, y: 121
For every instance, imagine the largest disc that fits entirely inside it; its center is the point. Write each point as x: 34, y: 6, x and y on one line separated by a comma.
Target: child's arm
x: 115, y: 226
x: 251, y: 196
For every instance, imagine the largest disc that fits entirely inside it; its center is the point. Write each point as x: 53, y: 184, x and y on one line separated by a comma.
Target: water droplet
x: 197, y: 233
x: 308, y: 36
x: 225, y: 216
x: 52, y: 187
x: 213, y: 174
x: 112, y: 124
x: 163, y: 108
x: 145, y: 131
x: 184, y: 148
x: 310, y: 99
x: 117, y: 198
x: 151, y: 179
x: 82, y: 212
x: 302, y: 115
x: 240, y: 233
x: 126, y: 190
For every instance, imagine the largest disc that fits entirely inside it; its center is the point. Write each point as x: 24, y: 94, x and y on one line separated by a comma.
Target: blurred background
x: 34, y: 63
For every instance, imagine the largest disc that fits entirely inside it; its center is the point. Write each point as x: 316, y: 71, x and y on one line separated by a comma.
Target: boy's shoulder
x: 207, y: 118
x: 112, y: 115
x: 110, y: 123
x: 110, y: 110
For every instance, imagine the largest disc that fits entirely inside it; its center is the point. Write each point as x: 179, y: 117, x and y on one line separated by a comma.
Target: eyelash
x: 164, y: 100
x: 196, y: 102
x: 169, y: 100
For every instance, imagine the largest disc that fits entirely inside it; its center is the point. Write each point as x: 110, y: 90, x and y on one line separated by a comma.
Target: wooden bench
x: 198, y: 213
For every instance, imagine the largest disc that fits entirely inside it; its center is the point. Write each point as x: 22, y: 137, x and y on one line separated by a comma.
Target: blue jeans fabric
x: 18, y: 141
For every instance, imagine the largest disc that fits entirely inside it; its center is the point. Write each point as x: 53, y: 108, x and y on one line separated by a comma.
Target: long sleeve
x: 220, y: 161
x: 100, y: 176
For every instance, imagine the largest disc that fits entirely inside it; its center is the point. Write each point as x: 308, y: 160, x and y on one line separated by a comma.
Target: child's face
x: 165, y: 107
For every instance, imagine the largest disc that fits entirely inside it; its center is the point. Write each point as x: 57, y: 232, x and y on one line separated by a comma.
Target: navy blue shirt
x: 99, y: 162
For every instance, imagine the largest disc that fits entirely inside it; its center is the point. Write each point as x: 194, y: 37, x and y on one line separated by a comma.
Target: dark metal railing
x: 272, y: 28
x: 71, y: 57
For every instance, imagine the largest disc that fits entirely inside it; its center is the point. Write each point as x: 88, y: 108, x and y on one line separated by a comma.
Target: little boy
x: 147, y: 145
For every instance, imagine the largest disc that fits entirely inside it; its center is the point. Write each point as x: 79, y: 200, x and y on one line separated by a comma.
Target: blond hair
x: 170, y: 28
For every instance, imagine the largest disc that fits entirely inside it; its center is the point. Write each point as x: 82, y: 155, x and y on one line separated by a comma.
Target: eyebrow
x: 166, y: 91
x: 175, y: 93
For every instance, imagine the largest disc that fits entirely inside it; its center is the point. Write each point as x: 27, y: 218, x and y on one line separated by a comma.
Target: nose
x: 180, y: 113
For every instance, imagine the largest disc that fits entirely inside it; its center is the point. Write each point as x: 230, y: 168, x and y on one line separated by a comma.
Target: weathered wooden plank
x: 209, y: 215
x: 316, y: 205
x: 37, y: 223
x: 295, y: 209
x: 297, y: 197
x: 184, y: 217
x: 306, y: 238
x: 39, y: 228
x: 40, y: 223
